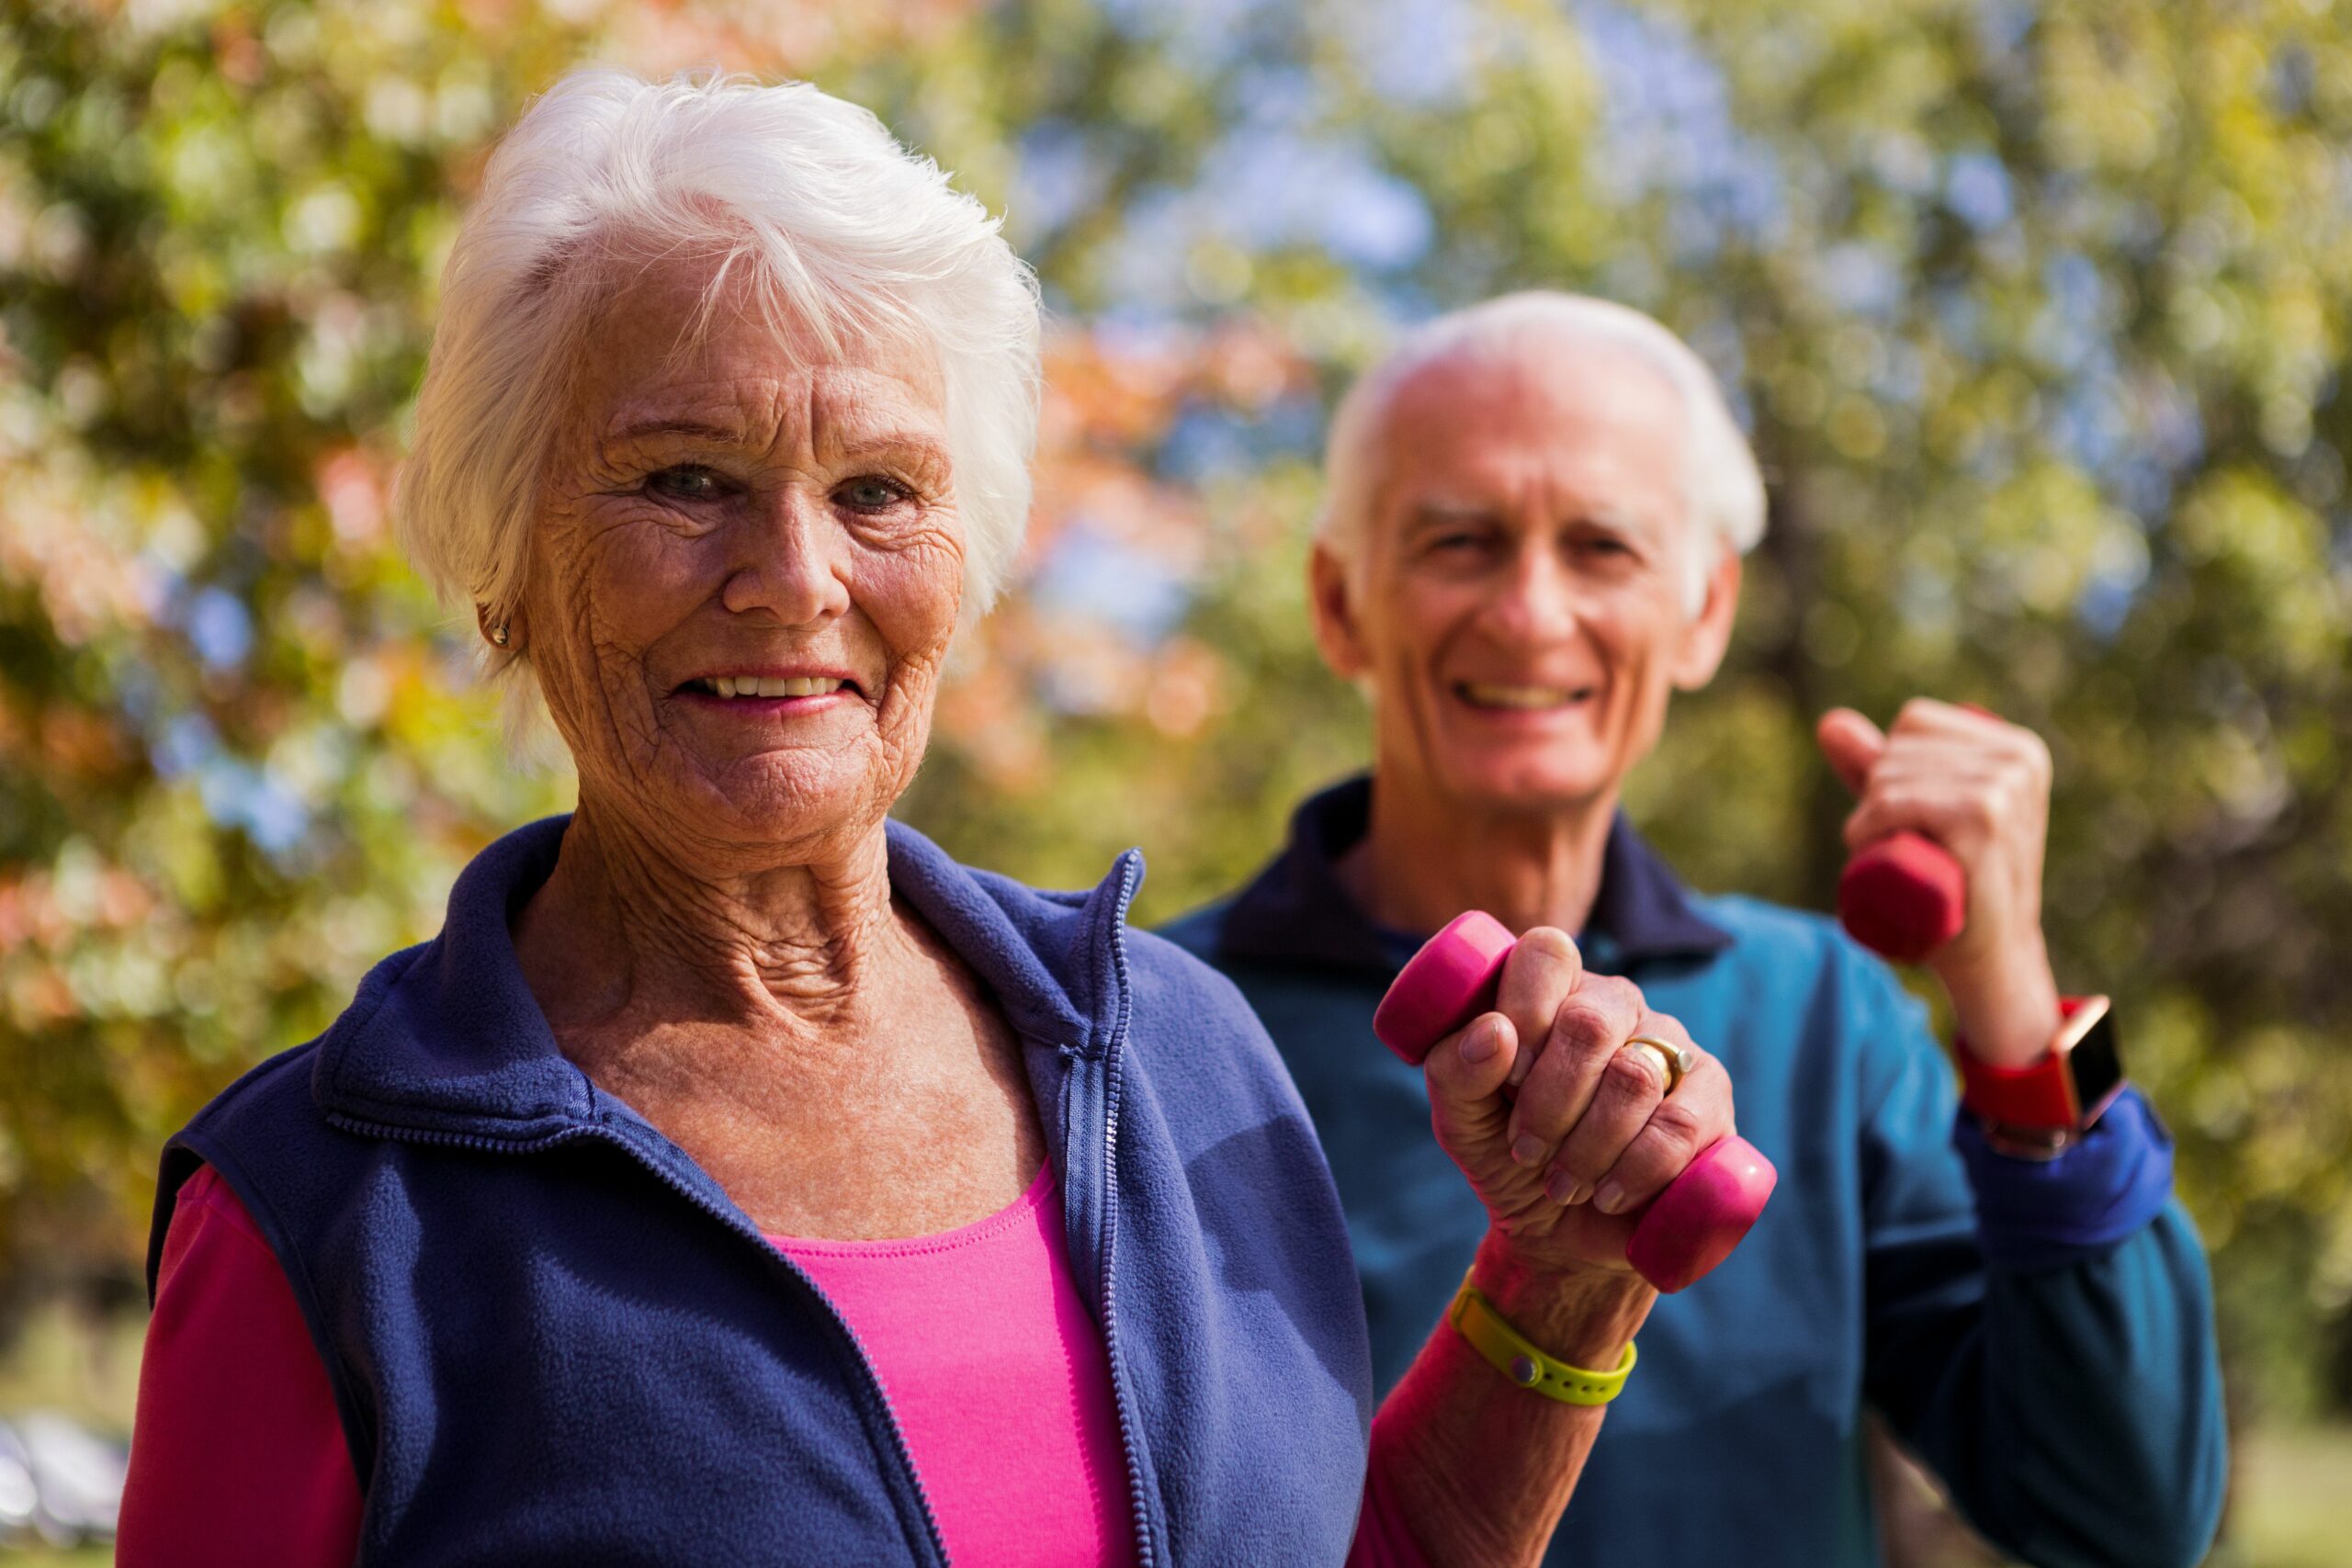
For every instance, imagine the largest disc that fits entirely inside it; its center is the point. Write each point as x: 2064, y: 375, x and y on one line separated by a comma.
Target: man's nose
x: 790, y: 560
x: 1534, y: 600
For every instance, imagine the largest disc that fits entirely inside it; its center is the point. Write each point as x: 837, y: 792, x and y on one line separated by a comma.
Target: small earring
x: 498, y: 634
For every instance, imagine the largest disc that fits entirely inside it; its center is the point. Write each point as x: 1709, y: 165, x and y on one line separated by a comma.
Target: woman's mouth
x: 740, y: 686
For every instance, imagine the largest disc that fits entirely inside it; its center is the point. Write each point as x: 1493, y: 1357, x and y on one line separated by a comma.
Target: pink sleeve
x: 1383, y: 1537
x: 237, y: 1455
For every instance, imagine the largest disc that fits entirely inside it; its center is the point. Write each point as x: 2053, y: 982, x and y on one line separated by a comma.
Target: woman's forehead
x: 680, y: 338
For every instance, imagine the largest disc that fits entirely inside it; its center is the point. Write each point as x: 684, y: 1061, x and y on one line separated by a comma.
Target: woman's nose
x: 791, y: 561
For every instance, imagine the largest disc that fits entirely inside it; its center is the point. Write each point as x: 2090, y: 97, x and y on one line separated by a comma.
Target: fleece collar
x: 1296, y: 911
x: 446, y: 1038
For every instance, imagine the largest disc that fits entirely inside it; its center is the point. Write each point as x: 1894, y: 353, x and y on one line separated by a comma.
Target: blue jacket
x: 2041, y: 1334
x: 554, y: 1339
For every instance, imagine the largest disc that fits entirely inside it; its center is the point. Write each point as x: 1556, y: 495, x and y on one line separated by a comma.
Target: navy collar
x: 447, y: 1037
x: 1296, y: 911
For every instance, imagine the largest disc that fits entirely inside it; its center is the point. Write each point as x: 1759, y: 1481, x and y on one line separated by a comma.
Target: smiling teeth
x: 1518, y: 696
x: 771, y: 687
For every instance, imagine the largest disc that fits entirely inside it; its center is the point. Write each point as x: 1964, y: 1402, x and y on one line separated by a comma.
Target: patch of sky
x: 1058, y: 175
x: 1960, y: 316
x: 2294, y: 78
x: 2089, y: 426
x: 2069, y: 331
x: 1145, y: 268
x: 1666, y: 127
x: 218, y: 627
x: 2002, y: 25
x: 1262, y: 190
x: 1196, y: 35
x: 2104, y: 605
x: 1903, y: 162
x: 1274, y: 94
x: 1093, y: 575
x: 2174, y: 429
x: 1976, y: 188
x: 1901, y: 374
x: 2119, y: 567
x: 1859, y: 281
x: 238, y: 795
x: 136, y: 690
x: 186, y: 743
x: 1265, y: 190
x: 1416, y: 52
x: 1206, y: 443
x: 2141, y: 485
x: 1133, y: 332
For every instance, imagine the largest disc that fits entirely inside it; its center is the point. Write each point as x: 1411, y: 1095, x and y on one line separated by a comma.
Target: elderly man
x: 1537, y: 509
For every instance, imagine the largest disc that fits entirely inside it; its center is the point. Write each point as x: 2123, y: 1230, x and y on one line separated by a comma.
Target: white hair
x: 807, y: 201
x: 1723, y: 491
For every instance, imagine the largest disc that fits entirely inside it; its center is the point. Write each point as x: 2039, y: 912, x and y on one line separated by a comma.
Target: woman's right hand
x: 1564, y: 1133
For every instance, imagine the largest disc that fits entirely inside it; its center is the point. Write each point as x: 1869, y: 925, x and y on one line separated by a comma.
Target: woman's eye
x: 872, y: 493
x: 687, y: 482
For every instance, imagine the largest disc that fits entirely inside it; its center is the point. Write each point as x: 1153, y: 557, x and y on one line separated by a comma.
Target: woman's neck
x: 623, y: 927
x: 1427, y: 859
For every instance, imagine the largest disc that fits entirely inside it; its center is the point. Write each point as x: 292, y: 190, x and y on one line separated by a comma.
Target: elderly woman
x: 1536, y: 512
x: 737, y: 1178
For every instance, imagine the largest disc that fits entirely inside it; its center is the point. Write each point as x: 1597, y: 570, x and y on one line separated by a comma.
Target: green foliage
x: 2038, y: 313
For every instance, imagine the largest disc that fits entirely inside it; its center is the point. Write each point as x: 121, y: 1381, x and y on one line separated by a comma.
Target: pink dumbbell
x: 1687, y: 1229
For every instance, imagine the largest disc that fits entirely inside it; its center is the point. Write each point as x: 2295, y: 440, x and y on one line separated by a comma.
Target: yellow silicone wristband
x: 1513, y: 1355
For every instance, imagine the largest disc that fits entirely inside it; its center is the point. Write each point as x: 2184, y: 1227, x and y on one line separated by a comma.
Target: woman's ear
x: 1708, y: 634
x: 1329, y: 601
x: 504, y: 633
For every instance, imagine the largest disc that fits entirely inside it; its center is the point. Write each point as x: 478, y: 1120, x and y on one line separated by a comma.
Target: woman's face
x: 744, y: 576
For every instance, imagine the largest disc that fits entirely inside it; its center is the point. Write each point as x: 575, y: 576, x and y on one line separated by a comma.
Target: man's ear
x: 1708, y: 635
x: 1334, y: 612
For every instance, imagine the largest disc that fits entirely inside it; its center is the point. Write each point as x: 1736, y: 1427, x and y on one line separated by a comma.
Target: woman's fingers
x: 1465, y: 1075
x: 1541, y: 973
x: 1681, y: 1126
x: 1557, y: 1092
x: 1631, y: 1092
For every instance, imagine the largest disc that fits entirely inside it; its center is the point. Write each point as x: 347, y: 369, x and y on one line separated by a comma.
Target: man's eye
x: 687, y: 482
x: 871, y: 493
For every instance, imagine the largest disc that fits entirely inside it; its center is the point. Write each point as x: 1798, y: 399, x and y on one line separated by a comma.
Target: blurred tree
x: 2037, y: 312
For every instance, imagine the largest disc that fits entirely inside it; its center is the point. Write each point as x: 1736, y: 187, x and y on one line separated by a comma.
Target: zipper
x: 1112, y: 1067
x: 877, y: 1397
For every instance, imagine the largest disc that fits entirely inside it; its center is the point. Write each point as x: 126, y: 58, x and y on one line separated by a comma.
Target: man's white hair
x: 1724, y: 491
x: 806, y: 202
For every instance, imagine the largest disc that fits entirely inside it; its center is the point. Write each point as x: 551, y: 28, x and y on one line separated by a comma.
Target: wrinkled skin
x: 812, y: 520
x: 718, y: 944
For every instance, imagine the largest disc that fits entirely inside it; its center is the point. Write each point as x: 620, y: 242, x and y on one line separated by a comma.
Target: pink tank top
x: 991, y: 1362
x: 997, y: 1374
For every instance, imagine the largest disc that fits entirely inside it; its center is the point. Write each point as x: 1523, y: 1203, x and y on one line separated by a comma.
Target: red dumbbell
x: 1905, y: 896
x: 1687, y: 1229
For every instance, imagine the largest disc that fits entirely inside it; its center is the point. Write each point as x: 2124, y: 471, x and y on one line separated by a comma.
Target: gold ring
x: 1675, y: 1060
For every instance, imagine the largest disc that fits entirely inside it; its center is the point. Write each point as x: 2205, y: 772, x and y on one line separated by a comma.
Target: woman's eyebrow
x: 699, y: 429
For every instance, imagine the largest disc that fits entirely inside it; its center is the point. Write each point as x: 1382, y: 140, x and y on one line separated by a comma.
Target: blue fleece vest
x: 554, y: 1339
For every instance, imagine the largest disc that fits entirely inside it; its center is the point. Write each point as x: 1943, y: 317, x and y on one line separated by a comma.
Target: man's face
x: 1518, y: 606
